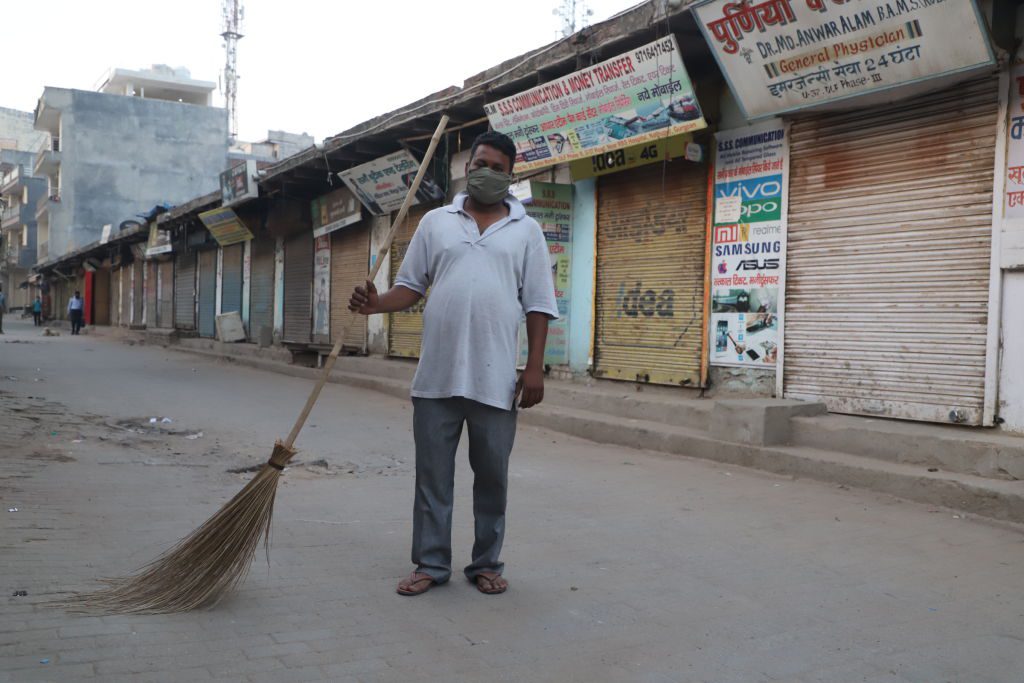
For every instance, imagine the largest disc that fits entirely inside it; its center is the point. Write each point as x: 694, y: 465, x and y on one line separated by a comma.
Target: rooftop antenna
x: 233, y: 13
x: 575, y: 16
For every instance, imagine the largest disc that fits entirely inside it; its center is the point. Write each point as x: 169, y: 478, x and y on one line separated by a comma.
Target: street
x: 624, y: 565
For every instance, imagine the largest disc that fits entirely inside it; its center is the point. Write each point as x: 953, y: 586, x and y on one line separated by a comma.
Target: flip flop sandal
x: 419, y: 584
x: 488, y: 585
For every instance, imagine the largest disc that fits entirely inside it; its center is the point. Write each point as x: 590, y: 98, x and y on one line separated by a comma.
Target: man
x: 37, y: 311
x: 3, y: 308
x: 75, y: 310
x: 486, y: 264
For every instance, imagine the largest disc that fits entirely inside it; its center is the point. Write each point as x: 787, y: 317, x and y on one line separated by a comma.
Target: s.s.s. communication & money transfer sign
x: 640, y: 96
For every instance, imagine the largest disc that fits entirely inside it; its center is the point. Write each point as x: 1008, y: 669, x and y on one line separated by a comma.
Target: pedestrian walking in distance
x: 37, y: 311
x: 75, y: 311
x: 486, y: 263
x: 3, y: 308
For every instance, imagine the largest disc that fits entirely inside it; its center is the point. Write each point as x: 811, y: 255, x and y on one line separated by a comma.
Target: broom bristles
x: 205, y: 565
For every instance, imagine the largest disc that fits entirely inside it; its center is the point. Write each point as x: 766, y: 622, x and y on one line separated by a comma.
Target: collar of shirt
x: 516, y: 211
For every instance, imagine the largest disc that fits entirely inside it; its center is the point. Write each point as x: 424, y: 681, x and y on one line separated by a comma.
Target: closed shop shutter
x: 138, y: 301
x: 165, y: 300
x: 101, y: 297
x: 185, y: 290
x: 152, y: 291
x: 115, y: 297
x: 405, y: 329
x: 890, y: 222
x: 208, y: 293
x: 350, y: 254
x: 126, y: 294
x: 231, y: 279
x: 650, y: 274
x: 58, y: 297
x: 261, y: 287
x: 298, y: 288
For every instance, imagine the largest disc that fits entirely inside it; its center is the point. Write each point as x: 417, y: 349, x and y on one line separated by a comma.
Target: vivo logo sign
x: 768, y: 187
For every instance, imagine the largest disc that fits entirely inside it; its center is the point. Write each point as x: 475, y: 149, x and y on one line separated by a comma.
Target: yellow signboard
x: 630, y: 157
x: 225, y: 226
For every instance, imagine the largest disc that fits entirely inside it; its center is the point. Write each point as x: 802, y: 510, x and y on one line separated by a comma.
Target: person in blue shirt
x: 76, y: 308
x: 37, y: 311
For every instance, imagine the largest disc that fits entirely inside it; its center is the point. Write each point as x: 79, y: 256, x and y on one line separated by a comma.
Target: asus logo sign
x: 754, y: 264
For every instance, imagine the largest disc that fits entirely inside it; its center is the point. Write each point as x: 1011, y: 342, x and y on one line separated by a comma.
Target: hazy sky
x: 306, y: 65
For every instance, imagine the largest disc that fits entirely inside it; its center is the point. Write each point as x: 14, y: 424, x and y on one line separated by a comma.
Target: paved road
x: 624, y: 565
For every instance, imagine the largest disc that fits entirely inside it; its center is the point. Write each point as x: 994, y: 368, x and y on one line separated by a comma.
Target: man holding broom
x: 486, y: 263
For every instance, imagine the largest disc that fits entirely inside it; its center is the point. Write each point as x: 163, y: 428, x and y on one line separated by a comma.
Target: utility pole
x: 574, y: 15
x: 233, y: 15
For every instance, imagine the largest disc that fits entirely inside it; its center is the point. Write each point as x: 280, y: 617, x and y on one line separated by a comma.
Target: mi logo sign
x: 727, y: 234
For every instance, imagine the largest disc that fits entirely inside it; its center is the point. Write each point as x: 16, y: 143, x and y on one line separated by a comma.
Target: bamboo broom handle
x: 329, y: 365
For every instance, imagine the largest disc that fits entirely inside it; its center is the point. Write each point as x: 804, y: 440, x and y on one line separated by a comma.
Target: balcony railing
x: 10, y: 178
x: 9, y: 215
x: 45, y: 200
x: 49, y: 151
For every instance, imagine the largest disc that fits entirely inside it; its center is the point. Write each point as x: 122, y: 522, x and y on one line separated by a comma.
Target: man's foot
x: 416, y: 583
x: 490, y: 583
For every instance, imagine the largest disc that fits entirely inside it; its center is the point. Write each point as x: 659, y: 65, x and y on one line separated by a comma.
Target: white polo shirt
x: 480, y: 287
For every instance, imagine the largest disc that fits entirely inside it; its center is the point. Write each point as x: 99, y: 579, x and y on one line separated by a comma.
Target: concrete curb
x: 995, y: 499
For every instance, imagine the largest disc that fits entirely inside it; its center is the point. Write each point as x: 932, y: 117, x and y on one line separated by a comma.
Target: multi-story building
x: 145, y: 138
x: 19, y: 192
x: 278, y: 145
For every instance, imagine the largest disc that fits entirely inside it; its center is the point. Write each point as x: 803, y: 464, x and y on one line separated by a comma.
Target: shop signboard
x: 638, y: 97
x: 334, y: 211
x: 225, y: 226
x: 630, y: 157
x: 748, y: 258
x: 381, y: 184
x: 238, y: 183
x: 783, y: 55
x: 159, y: 241
x: 1012, y: 256
x: 322, y: 289
x: 551, y: 206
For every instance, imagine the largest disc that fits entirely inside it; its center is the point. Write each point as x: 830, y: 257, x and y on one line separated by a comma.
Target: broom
x: 207, y: 564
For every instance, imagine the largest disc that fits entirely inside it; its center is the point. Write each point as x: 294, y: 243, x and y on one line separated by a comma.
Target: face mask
x: 487, y: 186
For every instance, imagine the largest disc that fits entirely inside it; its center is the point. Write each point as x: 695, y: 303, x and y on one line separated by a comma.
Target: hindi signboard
x: 322, y: 290
x: 551, y: 206
x: 238, y: 183
x: 381, y: 184
x: 1015, y: 146
x: 334, y: 211
x: 225, y: 226
x: 637, y: 97
x: 784, y: 55
x: 749, y: 244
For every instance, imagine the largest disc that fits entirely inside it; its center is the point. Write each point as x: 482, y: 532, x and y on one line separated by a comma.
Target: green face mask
x: 487, y: 186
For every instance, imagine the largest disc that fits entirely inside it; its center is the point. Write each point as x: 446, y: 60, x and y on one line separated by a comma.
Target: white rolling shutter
x: 890, y: 224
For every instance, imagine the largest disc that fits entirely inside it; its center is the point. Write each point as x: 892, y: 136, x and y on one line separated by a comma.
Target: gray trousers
x: 437, y: 427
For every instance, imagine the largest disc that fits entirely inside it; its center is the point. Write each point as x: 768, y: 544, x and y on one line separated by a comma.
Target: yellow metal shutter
x: 406, y: 327
x: 890, y: 223
x: 651, y: 226
x: 350, y: 254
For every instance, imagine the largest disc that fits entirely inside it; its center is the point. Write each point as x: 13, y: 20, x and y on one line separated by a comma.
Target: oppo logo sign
x: 755, y: 209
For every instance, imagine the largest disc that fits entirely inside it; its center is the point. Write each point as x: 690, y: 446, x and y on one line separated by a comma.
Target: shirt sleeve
x: 538, y: 290
x: 414, y: 273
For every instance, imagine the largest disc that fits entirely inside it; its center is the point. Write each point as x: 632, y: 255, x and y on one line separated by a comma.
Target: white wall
x: 1011, y: 370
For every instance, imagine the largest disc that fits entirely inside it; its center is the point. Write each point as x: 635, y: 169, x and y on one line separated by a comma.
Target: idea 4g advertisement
x: 748, y: 253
